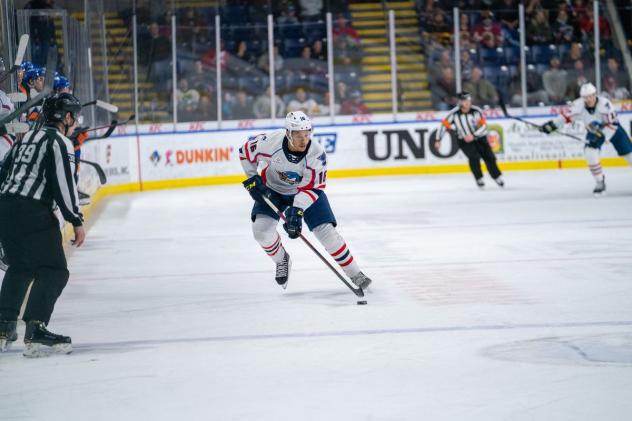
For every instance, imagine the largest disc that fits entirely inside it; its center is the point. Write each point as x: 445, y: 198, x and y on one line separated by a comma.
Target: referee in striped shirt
x: 470, y: 126
x: 38, y: 173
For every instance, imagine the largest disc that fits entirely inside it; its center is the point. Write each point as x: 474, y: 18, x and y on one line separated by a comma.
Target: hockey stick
x: 503, y: 108
x: 17, y: 96
x: 102, y: 177
x: 357, y: 291
x: 122, y: 123
x: 19, y: 56
x: 33, y: 101
x: 108, y: 132
x: 103, y: 105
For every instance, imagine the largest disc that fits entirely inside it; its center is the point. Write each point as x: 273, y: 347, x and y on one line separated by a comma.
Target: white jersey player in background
x: 293, y: 177
x: 6, y: 139
x: 600, y: 119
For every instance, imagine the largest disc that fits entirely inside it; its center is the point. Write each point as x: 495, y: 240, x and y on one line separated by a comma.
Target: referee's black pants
x: 32, y: 242
x: 477, y: 149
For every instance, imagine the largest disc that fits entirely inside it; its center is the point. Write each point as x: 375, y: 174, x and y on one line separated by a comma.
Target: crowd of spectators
x: 560, y: 56
x: 299, y: 50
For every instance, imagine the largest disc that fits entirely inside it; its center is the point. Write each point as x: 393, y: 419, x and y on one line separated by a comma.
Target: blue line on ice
x: 253, y: 337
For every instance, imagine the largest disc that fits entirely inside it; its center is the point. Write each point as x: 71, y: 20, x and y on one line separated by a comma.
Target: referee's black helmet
x: 56, y: 107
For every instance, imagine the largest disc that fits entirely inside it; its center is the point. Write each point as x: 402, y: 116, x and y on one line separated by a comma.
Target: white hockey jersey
x: 6, y: 140
x: 603, y: 113
x: 283, y: 171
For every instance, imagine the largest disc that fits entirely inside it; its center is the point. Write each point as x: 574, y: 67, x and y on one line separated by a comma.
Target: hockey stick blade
x: 357, y: 291
x: 24, y: 40
x: 108, y: 132
x: 19, y: 56
x: 107, y: 106
x: 16, y: 127
x: 103, y: 105
x: 102, y: 177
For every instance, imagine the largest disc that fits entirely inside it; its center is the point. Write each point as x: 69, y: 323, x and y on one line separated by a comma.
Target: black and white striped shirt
x: 472, y: 122
x: 41, y: 167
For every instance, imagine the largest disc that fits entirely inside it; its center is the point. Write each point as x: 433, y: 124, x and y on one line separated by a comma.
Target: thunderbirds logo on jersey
x: 290, y: 177
x: 327, y: 140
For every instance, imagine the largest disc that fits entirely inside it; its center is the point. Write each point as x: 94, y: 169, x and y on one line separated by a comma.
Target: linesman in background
x: 38, y: 171
x: 470, y: 126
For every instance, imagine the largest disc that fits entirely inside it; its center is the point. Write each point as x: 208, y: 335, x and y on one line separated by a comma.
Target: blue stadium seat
x: 512, y: 55
x: 491, y: 73
x: 292, y: 47
x: 541, y: 54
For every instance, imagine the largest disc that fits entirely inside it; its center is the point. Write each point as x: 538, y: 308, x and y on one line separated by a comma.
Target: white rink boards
x: 510, y: 304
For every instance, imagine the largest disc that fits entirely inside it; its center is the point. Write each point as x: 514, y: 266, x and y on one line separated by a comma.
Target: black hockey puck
x: 362, y: 302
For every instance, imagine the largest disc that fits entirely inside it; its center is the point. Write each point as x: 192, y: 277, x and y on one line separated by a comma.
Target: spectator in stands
x: 208, y: 59
x: 353, y: 105
x: 262, y: 107
x: 577, y: 77
x: 536, y: 94
x: 143, y: 15
x: 318, y: 52
x: 554, y: 81
x: 186, y: 97
x: 444, y: 62
x: 563, y: 32
x: 443, y: 91
x: 439, y: 28
x: 507, y: 13
x: 206, y: 110
x: 200, y: 78
x: 287, y: 15
x: 346, y: 42
x: 488, y: 31
x: 311, y: 10
x: 157, y: 52
x: 482, y: 90
x: 302, y: 103
x: 576, y: 52
x: 467, y: 64
x: 613, y: 91
x: 189, y: 27
x: 588, y: 27
x: 242, y: 107
x: 242, y: 63
x: 342, y: 92
x: 263, y: 62
x: 325, y: 108
x: 538, y: 29
x: 620, y: 76
x: 41, y: 31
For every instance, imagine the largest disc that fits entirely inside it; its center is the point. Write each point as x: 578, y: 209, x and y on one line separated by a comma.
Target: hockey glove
x: 293, y: 222
x: 595, y: 128
x: 594, y: 140
x: 548, y: 127
x: 256, y: 188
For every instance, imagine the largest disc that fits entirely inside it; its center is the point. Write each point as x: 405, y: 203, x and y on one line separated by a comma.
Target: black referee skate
x: 8, y: 334
x: 600, y: 187
x: 499, y: 180
x: 480, y: 183
x: 283, y: 270
x: 361, y: 280
x: 39, y: 342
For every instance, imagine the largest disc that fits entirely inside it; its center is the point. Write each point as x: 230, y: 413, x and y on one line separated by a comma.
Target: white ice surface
x: 510, y: 304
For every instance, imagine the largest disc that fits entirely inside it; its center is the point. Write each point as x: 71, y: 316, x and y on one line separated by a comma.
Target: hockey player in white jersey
x: 600, y: 120
x: 293, y: 177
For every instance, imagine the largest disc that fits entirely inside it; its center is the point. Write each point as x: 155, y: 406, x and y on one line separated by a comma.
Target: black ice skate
x: 8, y: 334
x: 500, y: 181
x: 4, y: 262
x: 39, y: 342
x: 600, y: 187
x: 283, y: 270
x: 361, y: 280
x: 480, y: 183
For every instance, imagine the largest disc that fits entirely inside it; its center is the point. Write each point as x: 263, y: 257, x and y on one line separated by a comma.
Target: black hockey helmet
x: 463, y: 95
x: 56, y: 107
